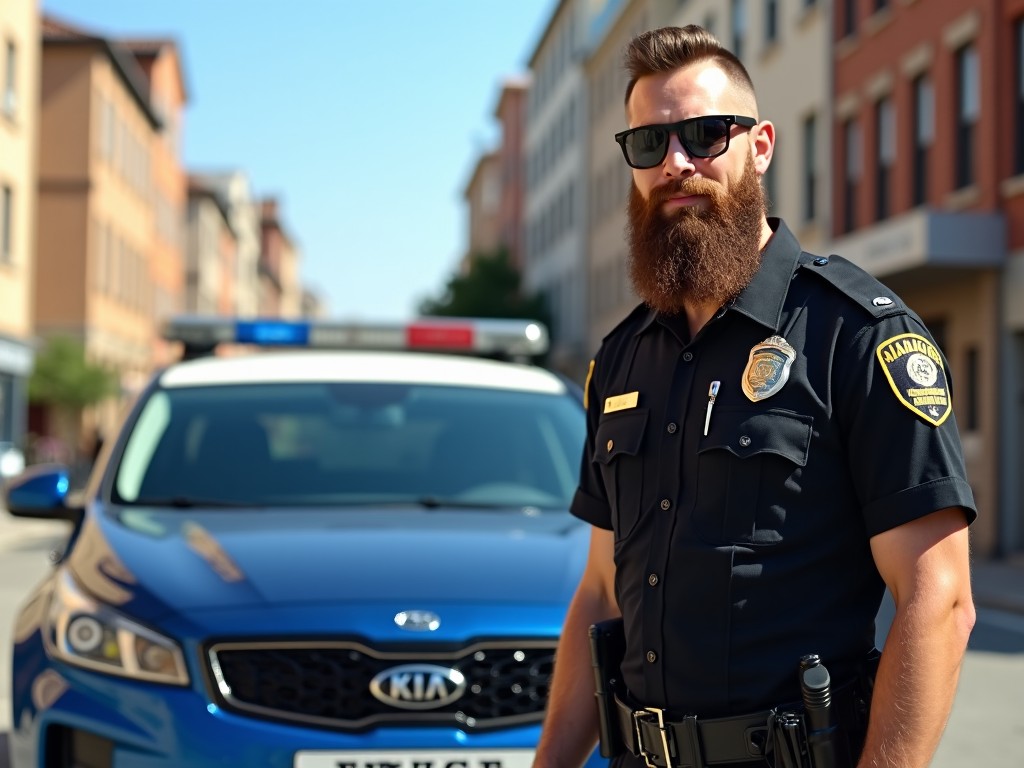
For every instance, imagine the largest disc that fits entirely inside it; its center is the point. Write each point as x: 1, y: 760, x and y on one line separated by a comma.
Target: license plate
x: 468, y: 758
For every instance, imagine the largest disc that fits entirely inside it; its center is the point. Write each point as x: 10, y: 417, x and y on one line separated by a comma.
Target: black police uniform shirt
x: 742, y: 538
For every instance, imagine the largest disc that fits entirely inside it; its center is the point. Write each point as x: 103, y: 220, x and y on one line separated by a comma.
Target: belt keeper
x: 696, y: 756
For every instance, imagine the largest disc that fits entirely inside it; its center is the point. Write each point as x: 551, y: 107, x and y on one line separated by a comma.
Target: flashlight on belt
x: 826, y: 740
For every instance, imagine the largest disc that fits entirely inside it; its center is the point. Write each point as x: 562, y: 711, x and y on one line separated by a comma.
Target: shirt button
x: 653, y: 579
x: 687, y: 356
x: 745, y: 441
x: 611, y: 444
x: 665, y: 503
x: 671, y: 427
x: 652, y: 657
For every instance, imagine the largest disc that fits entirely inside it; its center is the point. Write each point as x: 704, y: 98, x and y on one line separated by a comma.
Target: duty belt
x: 693, y: 742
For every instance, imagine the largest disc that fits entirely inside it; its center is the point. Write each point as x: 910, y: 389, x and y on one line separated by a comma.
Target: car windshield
x: 312, y: 444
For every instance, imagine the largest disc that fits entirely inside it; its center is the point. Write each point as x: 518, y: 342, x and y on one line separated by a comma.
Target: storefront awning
x: 927, y: 238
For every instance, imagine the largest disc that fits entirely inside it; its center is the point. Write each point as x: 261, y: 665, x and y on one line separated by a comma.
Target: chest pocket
x: 751, y: 463
x: 617, y: 451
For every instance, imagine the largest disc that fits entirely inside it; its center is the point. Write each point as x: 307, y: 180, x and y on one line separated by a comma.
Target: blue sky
x: 364, y: 118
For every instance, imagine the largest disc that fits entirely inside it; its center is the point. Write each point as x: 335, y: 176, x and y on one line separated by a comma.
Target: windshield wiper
x: 189, y: 502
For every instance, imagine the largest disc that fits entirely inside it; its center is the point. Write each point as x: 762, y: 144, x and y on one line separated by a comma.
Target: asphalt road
x: 986, y: 727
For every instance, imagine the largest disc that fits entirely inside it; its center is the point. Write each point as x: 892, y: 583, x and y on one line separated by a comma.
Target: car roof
x: 297, y: 366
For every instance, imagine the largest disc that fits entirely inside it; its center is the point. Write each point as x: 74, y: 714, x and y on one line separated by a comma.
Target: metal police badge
x: 914, y: 369
x: 767, y: 368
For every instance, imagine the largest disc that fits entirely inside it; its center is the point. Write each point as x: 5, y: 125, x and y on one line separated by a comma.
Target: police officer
x: 771, y: 444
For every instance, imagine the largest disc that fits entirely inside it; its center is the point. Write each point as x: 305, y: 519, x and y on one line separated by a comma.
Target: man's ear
x: 762, y: 145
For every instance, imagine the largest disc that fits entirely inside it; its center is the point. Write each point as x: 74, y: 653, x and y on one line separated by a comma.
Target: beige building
x: 555, y: 150
x: 483, y: 201
x: 19, y: 129
x: 233, y: 190
x: 111, y: 200
x: 211, y: 254
x: 786, y: 47
x: 610, y: 295
x: 281, y: 292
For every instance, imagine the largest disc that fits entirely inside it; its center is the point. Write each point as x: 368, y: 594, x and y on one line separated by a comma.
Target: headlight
x: 88, y: 634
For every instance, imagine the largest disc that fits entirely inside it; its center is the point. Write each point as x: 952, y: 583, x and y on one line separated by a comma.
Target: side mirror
x: 41, y: 491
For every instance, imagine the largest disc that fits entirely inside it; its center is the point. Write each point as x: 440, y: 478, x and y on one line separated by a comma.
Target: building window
x: 1018, y: 147
x: 810, y: 176
x: 849, y: 17
x: 6, y: 224
x: 771, y: 21
x: 923, y: 125
x: 10, y: 102
x: 852, y: 150
x: 739, y: 26
x: 968, y: 102
x: 885, y: 136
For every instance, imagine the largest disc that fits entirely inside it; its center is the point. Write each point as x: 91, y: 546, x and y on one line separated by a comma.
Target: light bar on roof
x: 480, y: 336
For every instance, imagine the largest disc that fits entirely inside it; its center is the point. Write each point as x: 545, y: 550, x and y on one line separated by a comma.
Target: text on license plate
x: 469, y: 758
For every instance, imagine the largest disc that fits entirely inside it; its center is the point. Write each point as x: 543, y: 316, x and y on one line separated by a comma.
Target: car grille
x: 329, y: 684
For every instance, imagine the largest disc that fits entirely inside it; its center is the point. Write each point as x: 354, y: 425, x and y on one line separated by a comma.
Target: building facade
x: 511, y: 116
x: 928, y: 197
x: 211, y: 254
x: 483, y: 203
x: 281, y: 294
x: 166, y: 91
x: 99, y: 218
x: 554, y: 222
x: 235, y: 193
x: 19, y: 130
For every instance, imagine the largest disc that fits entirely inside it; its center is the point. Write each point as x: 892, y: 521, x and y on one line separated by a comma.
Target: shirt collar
x: 762, y: 300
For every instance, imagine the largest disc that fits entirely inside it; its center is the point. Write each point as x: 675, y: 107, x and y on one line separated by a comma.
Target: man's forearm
x: 571, y: 726
x: 916, y: 683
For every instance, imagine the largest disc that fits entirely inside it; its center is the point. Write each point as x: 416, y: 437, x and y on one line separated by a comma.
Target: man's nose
x: 677, y: 160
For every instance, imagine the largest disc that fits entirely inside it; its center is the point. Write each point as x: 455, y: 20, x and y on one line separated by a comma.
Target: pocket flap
x: 747, y: 433
x: 620, y: 433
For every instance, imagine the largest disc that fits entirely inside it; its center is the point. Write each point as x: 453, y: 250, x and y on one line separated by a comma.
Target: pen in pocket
x: 712, y: 394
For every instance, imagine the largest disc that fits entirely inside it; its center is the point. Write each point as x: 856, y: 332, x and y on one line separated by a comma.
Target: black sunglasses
x: 706, y: 136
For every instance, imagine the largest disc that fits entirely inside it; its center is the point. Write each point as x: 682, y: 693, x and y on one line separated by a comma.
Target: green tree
x: 65, y: 382
x: 492, y: 288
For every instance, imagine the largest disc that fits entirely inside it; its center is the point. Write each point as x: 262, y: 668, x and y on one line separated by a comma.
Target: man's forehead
x: 700, y: 88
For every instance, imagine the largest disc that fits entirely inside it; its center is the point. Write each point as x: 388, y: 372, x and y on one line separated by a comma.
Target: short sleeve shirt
x: 742, y: 525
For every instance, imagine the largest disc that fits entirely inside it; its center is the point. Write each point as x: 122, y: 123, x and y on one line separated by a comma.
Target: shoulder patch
x: 586, y: 386
x: 864, y: 289
x: 916, y: 374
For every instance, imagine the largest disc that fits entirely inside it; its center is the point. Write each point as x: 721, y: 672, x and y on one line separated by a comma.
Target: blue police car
x: 329, y: 550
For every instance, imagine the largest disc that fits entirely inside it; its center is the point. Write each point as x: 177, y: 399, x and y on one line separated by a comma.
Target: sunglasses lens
x: 645, y: 147
x: 706, y: 137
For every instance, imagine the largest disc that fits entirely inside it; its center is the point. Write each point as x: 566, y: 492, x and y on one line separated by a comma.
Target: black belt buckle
x: 654, y: 716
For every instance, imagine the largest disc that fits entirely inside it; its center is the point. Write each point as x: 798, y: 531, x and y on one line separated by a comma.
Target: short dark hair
x: 669, y: 48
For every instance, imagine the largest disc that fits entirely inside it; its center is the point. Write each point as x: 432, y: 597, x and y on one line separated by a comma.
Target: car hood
x: 150, y: 562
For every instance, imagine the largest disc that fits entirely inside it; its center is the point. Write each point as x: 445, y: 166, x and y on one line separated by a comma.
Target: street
x: 986, y: 727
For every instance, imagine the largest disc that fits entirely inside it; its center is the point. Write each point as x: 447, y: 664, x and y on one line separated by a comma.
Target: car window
x: 351, y: 443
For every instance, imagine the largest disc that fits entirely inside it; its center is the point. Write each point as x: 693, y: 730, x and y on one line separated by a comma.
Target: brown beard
x: 695, y: 256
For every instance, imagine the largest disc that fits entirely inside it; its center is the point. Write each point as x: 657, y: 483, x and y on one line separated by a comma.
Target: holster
x: 607, y: 648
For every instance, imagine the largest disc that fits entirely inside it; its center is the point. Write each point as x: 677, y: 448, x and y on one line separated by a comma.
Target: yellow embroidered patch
x: 915, y: 372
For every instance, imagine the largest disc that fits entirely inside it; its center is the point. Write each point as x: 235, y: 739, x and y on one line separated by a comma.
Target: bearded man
x: 758, y: 470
